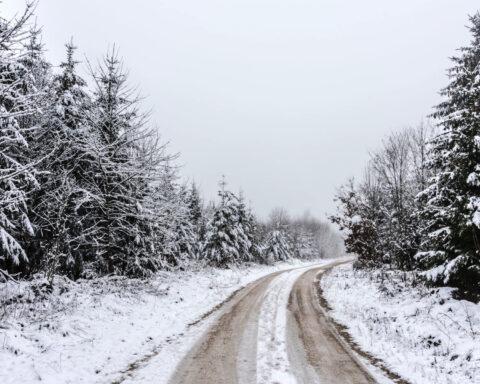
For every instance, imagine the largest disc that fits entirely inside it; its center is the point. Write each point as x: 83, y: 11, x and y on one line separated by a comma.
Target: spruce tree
x: 60, y: 206
x: 225, y: 238
x: 175, y: 235
x: 451, y: 249
x: 122, y: 223
x: 276, y: 247
x: 197, y: 216
x: 246, y: 221
x: 19, y: 105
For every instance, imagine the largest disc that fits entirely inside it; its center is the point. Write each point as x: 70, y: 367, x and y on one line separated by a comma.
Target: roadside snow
x: 424, y: 335
x: 100, y: 331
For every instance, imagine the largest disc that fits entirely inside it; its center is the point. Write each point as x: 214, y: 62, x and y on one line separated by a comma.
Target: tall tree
x: 451, y: 251
x: 122, y: 223
x: 60, y: 204
x: 18, y: 107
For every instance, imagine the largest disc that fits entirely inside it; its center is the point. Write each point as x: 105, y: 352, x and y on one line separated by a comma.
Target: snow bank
x: 421, y: 334
x: 99, y: 331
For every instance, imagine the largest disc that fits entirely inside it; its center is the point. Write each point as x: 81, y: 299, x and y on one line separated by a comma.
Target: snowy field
x: 97, y: 331
x: 421, y: 334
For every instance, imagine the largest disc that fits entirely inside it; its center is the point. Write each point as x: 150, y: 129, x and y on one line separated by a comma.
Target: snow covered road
x: 273, y: 331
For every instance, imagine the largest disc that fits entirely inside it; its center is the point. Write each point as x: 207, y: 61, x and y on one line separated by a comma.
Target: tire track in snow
x: 272, y: 332
x: 273, y: 365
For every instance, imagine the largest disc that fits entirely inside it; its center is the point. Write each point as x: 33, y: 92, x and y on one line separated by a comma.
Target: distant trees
x: 303, y: 237
x: 418, y: 204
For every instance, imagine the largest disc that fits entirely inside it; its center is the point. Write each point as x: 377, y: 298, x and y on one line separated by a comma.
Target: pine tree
x: 175, y: 234
x: 122, y: 223
x: 60, y: 206
x: 185, y: 228
x: 451, y: 250
x: 197, y: 216
x: 18, y: 107
x: 225, y: 237
x: 194, y: 205
x: 276, y: 247
x: 246, y: 222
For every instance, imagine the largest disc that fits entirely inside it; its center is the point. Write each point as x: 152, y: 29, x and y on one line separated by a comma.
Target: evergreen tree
x: 225, y: 237
x: 122, y: 223
x: 451, y: 250
x: 197, y: 216
x: 194, y: 204
x: 60, y: 205
x: 246, y: 222
x: 175, y: 231
x: 185, y: 228
x: 18, y: 106
x: 276, y: 247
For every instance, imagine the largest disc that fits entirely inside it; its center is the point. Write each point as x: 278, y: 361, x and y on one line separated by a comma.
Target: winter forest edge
x: 417, y: 208
x: 89, y: 189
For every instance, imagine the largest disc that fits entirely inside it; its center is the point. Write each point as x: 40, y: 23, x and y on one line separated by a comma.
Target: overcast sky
x: 284, y: 97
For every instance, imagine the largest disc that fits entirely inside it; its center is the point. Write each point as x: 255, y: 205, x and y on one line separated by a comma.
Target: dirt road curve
x: 273, y: 332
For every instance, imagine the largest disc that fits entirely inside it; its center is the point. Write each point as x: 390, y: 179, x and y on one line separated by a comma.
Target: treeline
x: 417, y: 207
x: 86, y: 186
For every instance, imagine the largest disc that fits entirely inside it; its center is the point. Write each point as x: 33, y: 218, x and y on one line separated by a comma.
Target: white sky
x: 285, y: 97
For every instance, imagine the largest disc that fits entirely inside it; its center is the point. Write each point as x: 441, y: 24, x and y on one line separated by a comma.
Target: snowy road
x: 273, y: 331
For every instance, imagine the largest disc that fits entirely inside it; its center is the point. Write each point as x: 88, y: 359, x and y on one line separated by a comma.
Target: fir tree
x: 276, y: 247
x: 451, y: 250
x: 18, y: 107
x: 246, y: 221
x: 197, y: 216
x: 122, y: 224
x: 225, y: 239
x: 60, y: 205
x: 175, y: 232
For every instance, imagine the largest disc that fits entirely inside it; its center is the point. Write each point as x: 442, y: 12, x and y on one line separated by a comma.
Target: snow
x: 356, y: 219
x: 422, y: 334
x: 95, y: 331
x: 273, y: 365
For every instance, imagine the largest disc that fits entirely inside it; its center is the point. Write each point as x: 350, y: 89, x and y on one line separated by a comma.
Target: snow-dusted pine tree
x: 175, y: 236
x: 60, y: 204
x: 276, y: 247
x: 225, y: 238
x: 451, y: 250
x: 197, y: 216
x: 18, y: 108
x: 122, y: 224
x: 246, y: 222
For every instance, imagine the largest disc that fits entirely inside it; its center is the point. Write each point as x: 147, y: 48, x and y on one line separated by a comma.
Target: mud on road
x: 229, y: 352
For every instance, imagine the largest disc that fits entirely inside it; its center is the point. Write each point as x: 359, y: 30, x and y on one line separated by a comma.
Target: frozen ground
x: 422, y: 334
x: 98, y: 331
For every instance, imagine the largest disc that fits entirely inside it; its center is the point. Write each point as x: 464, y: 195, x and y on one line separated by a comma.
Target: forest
x: 88, y: 188
x: 417, y: 207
